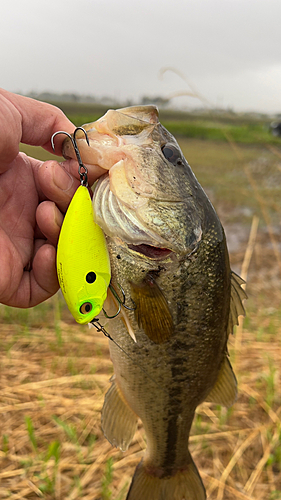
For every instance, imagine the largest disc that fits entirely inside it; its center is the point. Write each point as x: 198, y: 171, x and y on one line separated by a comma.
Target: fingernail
x: 63, y: 179
x: 58, y: 216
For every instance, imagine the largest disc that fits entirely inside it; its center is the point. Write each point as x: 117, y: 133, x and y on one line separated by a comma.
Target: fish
x: 83, y: 265
x: 168, y: 251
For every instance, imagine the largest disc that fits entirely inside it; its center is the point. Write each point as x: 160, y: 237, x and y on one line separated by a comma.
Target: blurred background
x: 214, y: 69
x: 114, y: 50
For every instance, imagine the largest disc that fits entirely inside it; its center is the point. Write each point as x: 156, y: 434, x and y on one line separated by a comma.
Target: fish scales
x: 168, y: 252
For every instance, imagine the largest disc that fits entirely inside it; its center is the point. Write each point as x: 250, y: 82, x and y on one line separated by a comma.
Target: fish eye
x: 172, y: 154
x: 91, y: 277
x: 86, y: 308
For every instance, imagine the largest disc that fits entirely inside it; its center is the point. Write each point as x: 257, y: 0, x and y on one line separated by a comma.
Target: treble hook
x: 84, y: 174
x: 121, y: 302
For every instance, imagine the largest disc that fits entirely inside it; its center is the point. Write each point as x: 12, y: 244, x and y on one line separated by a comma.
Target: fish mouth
x: 151, y: 252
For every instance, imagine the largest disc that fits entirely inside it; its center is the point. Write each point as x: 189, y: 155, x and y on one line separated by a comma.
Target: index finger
x: 23, y: 119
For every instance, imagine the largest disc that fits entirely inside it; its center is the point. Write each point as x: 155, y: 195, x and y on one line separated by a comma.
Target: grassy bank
x: 208, y: 125
x: 54, y: 377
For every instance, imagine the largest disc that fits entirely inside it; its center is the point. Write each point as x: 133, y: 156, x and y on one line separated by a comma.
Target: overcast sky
x: 229, y: 50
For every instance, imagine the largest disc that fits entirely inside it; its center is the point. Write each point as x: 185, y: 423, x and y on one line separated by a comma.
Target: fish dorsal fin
x: 152, y: 311
x: 119, y: 422
x: 146, y: 113
x: 236, y: 301
x: 224, y: 391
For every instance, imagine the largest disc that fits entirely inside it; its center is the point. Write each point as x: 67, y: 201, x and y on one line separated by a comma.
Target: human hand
x: 33, y: 198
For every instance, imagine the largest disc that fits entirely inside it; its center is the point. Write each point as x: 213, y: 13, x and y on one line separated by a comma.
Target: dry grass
x: 54, y: 375
x: 53, y: 380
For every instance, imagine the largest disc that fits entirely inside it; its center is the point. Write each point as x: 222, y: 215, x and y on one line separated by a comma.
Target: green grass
x: 31, y: 432
x: 50, y: 312
x: 106, y: 493
x: 207, y: 126
x: 270, y: 381
x: 69, y: 429
x: 5, y: 443
x: 247, y: 133
x: 205, y: 129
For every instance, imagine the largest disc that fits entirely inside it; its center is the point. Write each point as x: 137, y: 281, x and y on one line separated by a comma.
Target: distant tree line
x: 86, y: 98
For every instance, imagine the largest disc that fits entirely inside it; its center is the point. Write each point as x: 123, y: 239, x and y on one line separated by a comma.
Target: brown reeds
x: 62, y: 454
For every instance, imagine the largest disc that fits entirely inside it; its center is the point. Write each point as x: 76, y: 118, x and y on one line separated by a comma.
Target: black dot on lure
x: 91, y: 277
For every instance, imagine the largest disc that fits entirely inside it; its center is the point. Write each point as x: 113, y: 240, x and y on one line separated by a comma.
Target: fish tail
x: 186, y: 484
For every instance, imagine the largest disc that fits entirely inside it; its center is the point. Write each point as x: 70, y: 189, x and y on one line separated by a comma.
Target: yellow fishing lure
x: 83, y: 264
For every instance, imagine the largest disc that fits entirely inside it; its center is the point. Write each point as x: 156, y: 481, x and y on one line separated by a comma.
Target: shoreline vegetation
x: 215, y: 125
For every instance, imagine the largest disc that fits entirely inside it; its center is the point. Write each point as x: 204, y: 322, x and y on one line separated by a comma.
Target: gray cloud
x: 229, y: 49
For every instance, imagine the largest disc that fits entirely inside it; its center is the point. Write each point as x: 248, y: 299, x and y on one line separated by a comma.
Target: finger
x: 33, y: 121
x: 36, y: 285
x: 9, y: 274
x: 10, y: 125
x: 57, y: 183
x: 49, y: 219
x: 43, y: 277
x: 94, y: 171
x: 72, y: 167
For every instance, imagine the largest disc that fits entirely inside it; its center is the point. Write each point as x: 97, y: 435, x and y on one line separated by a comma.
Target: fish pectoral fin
x: 118, y: 421
x: 224, y: 391
x: 152, y: 311
x: 236, y: 301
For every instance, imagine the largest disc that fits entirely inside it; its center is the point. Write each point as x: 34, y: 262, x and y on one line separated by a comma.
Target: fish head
x: 149, y: 197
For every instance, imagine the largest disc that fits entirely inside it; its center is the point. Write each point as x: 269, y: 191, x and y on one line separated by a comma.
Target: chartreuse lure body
x: 83, y: 264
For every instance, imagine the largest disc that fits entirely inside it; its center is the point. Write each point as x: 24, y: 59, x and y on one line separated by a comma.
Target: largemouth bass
x: 168, y: 252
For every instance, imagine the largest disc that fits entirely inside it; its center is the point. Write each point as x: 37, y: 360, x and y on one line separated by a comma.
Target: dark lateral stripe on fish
x: 175, y: 409
x: 170, y: 455
x: 171, y: 448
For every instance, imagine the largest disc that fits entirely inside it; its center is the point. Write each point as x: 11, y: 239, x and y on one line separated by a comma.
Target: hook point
x: 57, y: 133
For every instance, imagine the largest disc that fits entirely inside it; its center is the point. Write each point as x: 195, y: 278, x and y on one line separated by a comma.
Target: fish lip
x: 151, y: 252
